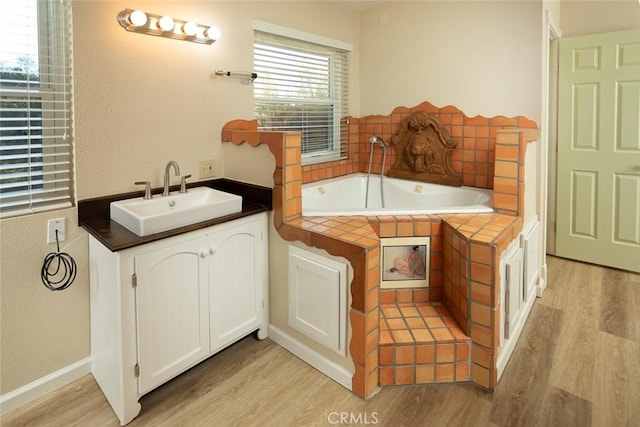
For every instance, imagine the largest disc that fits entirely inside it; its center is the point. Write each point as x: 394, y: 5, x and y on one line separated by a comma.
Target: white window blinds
x: 303, y: 86
x: 36, y: 104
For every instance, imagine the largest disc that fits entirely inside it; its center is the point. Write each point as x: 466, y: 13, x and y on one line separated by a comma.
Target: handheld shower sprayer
x: 373, y: 139
x: 376, y: 139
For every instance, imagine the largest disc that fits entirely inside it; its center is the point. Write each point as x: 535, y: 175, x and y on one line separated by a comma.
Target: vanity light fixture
x: 190, y: 28
x: 166, y: 26
x: 166, y: 23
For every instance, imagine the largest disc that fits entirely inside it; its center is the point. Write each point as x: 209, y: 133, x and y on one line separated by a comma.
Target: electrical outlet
x: 52, y: 226
x: 208, y: 168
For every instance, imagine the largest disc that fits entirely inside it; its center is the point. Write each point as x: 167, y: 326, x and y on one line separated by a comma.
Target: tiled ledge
x: 464, y: 259
x: 420, y: 343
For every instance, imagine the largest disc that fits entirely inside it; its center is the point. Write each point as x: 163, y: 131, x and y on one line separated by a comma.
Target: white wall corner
x: 45, y: 385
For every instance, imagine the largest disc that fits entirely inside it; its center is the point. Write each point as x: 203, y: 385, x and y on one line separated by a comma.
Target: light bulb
x: 166, y: 23
x: 213, y: 33
x: 190, y: 28
x: 138, y: 18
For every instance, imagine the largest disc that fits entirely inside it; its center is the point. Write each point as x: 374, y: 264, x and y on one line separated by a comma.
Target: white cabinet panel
x: 172, y: 312
x: 513, y: 292
x: 237, y: 268
x: 530, y: 244
x: 519, y: 273
x: 318, y: 298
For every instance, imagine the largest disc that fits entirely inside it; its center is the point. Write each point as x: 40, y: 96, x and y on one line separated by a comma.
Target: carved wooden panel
x: 424, y: 151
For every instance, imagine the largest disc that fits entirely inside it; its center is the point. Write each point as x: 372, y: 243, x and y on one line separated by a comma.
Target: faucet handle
x: 147, y: 189
x: 183, y: 183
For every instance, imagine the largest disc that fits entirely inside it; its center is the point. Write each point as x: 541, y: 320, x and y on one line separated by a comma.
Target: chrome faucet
x: 373, y: 139
x: 176, y: 169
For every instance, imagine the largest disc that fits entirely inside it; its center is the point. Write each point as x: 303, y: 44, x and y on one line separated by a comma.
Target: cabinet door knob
x: 213, y: 250
x: 203, y: 254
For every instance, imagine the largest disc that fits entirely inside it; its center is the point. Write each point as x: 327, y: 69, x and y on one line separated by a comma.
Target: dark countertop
x: 94, y: 215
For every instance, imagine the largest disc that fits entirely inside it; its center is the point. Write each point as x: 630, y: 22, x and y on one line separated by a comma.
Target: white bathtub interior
x: 346, y: 196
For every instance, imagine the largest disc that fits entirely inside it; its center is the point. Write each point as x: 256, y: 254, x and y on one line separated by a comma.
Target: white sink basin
x: 144, y: 217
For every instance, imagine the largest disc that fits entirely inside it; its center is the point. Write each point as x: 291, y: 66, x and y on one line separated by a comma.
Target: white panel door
x: 598, y: 205
x: 172, y: 311
x: 318, y: 298
x: 236, y: 282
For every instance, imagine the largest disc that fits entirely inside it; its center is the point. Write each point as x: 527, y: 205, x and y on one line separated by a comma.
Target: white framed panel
x: 530, y: 244
x: 318, y: 298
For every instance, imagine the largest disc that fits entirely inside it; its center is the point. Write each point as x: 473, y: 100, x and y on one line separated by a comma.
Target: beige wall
x: 40, y: 331
x: 482, y: 57
x: 249, y: 164
x: 142, y: 100
x: 579, y: 18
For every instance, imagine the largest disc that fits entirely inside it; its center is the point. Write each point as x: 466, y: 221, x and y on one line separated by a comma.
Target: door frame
x: 547, y: 151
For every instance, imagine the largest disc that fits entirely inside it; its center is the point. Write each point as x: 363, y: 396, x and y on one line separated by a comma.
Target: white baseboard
x: 313, y: 358
x: 42, y: 386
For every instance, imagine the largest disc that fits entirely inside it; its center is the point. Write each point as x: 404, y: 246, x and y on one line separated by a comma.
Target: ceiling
x: 356, y: 6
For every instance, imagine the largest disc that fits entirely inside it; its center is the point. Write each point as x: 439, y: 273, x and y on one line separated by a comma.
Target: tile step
x: 421, y: 343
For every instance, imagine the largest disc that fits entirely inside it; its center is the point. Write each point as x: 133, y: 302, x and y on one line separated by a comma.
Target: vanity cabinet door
x: 172, y: 311
x: 237, y: 272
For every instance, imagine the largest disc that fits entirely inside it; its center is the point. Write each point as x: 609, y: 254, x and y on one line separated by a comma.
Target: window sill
x: 314, y: 160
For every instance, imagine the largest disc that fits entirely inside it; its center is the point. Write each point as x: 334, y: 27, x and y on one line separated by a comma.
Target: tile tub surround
x: 357, y: 240
x: 473, y: 158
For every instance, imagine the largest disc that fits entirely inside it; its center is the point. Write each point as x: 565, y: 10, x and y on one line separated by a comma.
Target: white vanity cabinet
x: 160, y: 308
x: 172, y: 310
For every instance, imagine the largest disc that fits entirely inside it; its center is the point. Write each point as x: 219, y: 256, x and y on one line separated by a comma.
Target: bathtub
x: 345, y: 196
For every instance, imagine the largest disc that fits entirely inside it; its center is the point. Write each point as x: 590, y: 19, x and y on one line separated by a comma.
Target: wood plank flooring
x: 576, y: 364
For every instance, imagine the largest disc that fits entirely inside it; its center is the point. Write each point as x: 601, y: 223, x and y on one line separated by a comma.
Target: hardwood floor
x: 576, y: 364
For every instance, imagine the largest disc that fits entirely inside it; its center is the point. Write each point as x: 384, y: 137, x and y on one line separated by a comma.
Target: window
x: 36, y: 104
x: 303, y: 86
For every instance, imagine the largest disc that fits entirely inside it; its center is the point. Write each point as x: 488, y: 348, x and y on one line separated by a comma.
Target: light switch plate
x: 208, y: 168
